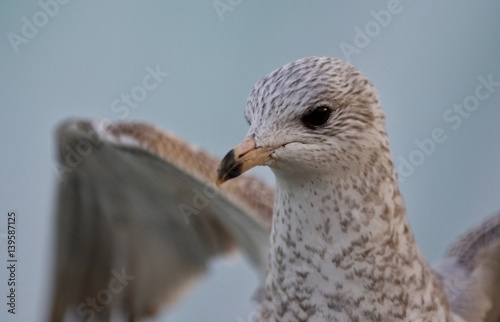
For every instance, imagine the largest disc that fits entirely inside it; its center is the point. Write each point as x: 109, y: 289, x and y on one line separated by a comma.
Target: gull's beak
x: 243, y: 157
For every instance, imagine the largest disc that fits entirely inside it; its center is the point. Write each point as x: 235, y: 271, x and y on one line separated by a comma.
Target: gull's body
x: 340, y: 247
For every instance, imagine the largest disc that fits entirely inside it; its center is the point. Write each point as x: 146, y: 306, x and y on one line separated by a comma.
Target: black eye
x: 316, y: 117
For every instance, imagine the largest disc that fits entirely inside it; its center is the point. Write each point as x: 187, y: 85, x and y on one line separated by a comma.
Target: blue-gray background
x: 424, y: 60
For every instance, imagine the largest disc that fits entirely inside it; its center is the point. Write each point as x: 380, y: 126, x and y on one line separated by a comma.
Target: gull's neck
x: 342, y: 250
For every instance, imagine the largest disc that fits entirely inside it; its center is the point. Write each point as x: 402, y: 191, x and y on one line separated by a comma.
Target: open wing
x: 139, y: 217
x: 471, y: 273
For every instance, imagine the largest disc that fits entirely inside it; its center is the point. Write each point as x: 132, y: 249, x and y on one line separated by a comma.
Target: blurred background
x: 436, y: 66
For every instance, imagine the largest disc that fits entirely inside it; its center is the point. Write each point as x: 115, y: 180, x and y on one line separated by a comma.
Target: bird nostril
x: 239, y: 156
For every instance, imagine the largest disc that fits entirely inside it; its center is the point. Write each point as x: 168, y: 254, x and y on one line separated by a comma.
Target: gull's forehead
x: 300, y: 84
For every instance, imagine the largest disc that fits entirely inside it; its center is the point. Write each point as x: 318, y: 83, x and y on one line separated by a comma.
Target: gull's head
x: 317, y: 115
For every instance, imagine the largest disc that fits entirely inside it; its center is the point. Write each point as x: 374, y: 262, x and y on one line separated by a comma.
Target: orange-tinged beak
x: 241, y: 159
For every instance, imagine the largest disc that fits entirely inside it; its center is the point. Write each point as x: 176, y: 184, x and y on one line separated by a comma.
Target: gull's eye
x: 316, y: 117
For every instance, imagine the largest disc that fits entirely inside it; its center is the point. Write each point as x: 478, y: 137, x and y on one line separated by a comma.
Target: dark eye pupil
x: 316, y: 117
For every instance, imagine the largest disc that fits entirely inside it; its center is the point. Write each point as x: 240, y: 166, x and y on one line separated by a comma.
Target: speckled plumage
x: 341, y: 246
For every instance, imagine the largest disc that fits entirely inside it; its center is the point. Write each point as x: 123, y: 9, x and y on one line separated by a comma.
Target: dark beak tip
x: 228, y: 169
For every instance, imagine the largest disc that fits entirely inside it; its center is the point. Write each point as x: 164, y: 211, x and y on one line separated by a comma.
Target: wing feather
x: 470, y: 273
x: 139, y: 217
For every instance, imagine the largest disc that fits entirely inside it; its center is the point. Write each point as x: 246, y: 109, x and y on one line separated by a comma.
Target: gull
x: 332, y: 242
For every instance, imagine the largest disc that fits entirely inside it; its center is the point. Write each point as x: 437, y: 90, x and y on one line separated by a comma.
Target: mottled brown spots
x: 343, y: 241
